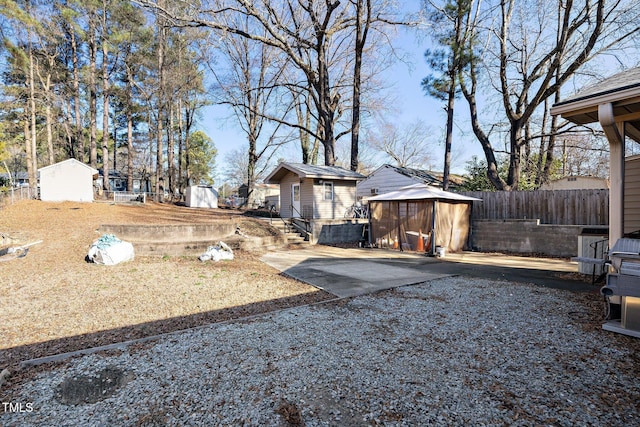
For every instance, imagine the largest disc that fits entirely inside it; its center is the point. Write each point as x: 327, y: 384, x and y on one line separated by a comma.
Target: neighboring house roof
x: 18, y: 175
x: 422, y: 176
x: 429, y: 177
x: 263, y: 186
x: 312, y: 171
x: 621, y: 90
x: 421, y: 192
x: 425, y: 176
x: 68, y: 161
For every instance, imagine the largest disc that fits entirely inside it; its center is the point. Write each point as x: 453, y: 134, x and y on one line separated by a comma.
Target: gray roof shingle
x: 616, y: 83
x: 312, y: 171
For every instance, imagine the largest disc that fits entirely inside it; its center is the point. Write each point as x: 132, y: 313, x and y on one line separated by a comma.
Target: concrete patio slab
x: 346, y: 272
x: 350, y: 272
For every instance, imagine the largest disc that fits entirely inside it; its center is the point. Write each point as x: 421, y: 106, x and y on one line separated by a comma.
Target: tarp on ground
x: 400, y: 219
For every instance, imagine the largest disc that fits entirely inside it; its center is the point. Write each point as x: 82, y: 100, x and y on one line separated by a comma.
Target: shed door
x: 295, y: 200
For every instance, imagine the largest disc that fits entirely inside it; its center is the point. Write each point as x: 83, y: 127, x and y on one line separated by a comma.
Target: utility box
x: 593, y: 242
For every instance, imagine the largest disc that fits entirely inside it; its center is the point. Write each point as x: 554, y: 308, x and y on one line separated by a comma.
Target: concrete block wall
x: 526, y: 236
x: 327, y: 232
x: 168, y: 233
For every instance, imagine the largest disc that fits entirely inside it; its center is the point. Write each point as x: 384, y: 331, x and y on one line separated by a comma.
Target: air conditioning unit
x: 374, y: 191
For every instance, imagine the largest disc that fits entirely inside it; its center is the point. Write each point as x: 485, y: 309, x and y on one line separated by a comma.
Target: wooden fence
x: 562, y: 207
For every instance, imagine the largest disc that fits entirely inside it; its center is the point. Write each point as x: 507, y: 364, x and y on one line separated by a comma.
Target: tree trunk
x: 451, y: 95
x: 33, y: 178
x: 49, y: 125
x: 251, y: 165
x: 33, y: 184
x: 170, y: 151
x: 93, y: 96
x: 187, y: 148
x: 485, y: 143
x: 105, y: 106
x: 130, y: 152
x: 79, y: 143
x: 159, y: 190
x: 515, y: 157
x: 181, y: 181
x: 361, y: 39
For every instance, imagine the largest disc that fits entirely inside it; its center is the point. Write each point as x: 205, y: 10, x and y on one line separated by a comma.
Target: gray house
x: 389, y: 178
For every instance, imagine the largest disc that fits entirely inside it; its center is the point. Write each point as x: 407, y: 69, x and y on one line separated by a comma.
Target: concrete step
x: 296, y: 239
x: 292, y: 236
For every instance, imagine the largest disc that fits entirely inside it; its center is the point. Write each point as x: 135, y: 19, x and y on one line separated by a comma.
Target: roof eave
x: 589, y: 104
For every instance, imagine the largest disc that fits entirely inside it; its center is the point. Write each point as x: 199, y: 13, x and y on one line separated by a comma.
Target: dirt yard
x: 52, y: 301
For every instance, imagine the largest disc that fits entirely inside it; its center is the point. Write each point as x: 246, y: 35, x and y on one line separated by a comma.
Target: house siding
x: 632, y: 195
x: 385, y: 180
x: 285, y: 194
x: 312, y: 203
x: 66, y: 181
x: 344, y: 195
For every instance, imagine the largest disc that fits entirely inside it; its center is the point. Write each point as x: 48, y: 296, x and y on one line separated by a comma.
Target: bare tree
x: 527, y: 56
x: 406, y: 146
x: 248, y: 78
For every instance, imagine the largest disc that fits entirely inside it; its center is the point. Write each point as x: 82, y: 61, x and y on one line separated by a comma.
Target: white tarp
x: 218, y: 252
x: 109, y: 250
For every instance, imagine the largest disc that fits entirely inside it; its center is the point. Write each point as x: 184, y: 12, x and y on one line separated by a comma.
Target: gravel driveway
x: 452, y: 351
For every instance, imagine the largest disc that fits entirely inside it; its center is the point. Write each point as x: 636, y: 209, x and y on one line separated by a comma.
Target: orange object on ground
x: 420, y: 245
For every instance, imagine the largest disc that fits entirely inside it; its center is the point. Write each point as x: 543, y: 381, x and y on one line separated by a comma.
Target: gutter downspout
x: 615, y: 134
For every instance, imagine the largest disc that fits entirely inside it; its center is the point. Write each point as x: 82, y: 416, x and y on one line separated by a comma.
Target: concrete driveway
x: 350, y: 272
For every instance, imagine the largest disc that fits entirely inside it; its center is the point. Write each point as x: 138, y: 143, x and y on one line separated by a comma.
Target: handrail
x: 271, y: 210
x: 293, y: 208
x: 305, y: 220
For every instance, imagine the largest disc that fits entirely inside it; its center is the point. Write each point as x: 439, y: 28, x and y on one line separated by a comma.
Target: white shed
x: 201, y: 196
x: 69, y: 180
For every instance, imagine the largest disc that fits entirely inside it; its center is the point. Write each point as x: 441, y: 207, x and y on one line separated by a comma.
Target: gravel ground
x: 452, y: 351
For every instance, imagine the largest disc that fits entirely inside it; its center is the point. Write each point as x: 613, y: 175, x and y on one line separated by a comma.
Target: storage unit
x: 69, y: 180
x: 201, y: 196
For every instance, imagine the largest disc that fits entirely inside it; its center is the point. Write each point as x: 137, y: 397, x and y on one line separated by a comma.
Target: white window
x: 327, y: 191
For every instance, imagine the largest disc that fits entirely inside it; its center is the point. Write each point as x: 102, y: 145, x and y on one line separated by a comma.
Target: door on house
x: 295, y: 200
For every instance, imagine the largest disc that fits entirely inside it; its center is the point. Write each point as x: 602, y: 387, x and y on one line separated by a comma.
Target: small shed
x: 420, y: 217
x: 314, y: 192
x: 201, y: 196
x: 69, y: 180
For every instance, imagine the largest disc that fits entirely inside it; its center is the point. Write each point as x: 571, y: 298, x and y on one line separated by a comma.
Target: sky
x: 413, y: 104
